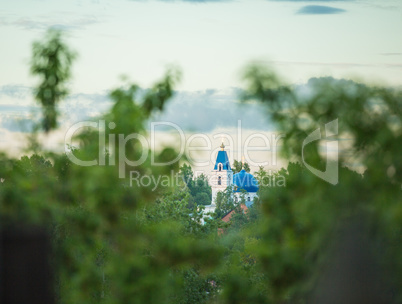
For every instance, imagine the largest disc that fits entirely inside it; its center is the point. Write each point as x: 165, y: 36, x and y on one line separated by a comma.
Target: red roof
x: 228, y: 216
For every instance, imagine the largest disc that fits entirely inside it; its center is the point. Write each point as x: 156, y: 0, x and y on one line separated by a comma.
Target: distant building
x: 228, y: 216
x: 223, y: 177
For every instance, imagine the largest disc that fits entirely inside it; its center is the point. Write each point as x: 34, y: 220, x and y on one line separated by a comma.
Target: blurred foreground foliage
x: 116, y: 241
x: 304, y: 220
x: 51, y: 62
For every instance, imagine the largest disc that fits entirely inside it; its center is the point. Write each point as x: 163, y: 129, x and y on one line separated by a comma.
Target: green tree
x: 199, y: 188
x: 187, y: 174
x: 202, y: 191
x: 202, y: 198
x: 51, y: 62
x: 225, y: 202
x: 35, y: 165
x: 238, y: 166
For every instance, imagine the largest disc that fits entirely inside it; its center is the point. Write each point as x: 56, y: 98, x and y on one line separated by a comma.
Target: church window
x: 220, y: 167
x: 248, y: 198
x: 219, y: 180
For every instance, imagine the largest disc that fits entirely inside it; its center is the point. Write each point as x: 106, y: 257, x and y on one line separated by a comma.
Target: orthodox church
x: 223, y: 177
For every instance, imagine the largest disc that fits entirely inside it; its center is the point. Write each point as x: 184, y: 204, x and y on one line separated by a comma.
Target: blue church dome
x: 246, y: 181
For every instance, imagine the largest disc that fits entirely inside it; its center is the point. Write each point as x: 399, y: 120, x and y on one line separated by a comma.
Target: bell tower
x: 222, y: 174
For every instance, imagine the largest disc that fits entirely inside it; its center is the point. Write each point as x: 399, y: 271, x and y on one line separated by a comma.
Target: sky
x: 210, y: 41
